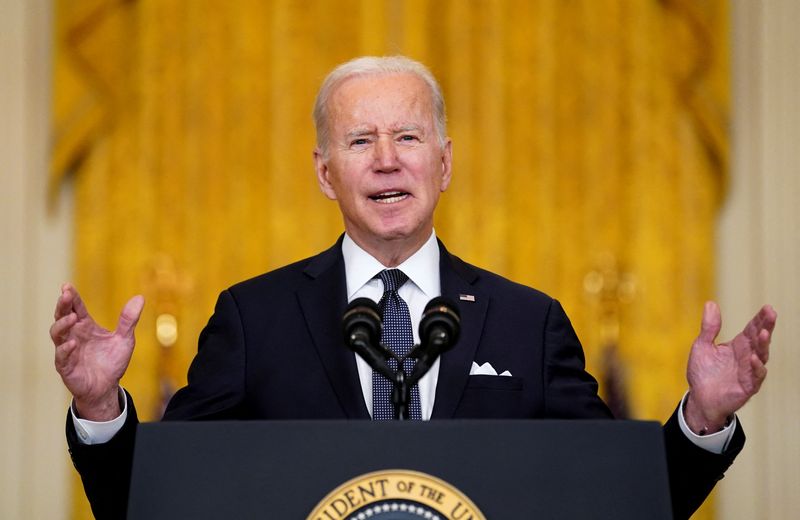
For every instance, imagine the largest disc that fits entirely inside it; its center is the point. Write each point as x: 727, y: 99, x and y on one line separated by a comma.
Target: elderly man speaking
x: 273, y: 347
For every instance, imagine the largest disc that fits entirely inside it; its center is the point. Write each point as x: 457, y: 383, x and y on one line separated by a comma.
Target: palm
x: 722, y: 377
x: 90, y: 359
x: 99, y: 360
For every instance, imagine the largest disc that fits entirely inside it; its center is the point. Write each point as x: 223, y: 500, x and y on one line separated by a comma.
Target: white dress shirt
x: 422, y: 269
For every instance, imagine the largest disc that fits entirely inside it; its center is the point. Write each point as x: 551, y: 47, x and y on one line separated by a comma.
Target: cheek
x: 435, y: 176
x: 339, y: 179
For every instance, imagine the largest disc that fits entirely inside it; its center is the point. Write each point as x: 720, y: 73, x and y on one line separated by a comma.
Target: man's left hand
x: 722, y: 377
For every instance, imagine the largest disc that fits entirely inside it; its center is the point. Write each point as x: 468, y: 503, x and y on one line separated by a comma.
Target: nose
x: 386, y: 159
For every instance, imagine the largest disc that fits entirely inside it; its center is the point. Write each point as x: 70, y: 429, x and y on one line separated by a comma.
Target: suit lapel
x: 323, y: 302
x: 457, y: 279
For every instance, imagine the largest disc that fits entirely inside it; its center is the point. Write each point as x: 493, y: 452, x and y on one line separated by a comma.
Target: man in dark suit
x: 273, y: 348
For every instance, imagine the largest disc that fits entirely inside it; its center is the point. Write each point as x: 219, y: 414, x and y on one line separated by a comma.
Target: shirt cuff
x: 713, y: 442
x: 99, y: 432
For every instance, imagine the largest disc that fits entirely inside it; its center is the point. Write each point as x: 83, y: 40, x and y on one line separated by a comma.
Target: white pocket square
x: 485, y: 369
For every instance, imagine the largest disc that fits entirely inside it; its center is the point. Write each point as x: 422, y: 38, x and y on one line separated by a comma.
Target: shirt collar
x: 422, y: 267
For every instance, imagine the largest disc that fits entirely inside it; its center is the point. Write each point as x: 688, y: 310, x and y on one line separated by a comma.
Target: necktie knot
x: 392, y: 279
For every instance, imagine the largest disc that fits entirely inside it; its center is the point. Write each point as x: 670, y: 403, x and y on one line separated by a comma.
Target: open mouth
x: 390, y: 197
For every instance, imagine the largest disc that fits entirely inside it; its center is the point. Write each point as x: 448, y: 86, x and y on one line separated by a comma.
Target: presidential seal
x: 396, y: 494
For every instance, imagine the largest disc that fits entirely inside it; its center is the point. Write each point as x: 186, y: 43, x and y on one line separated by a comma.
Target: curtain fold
x: 590, y: 156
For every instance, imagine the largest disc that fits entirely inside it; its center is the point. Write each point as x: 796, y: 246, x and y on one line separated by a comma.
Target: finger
x: 64, y: 302
x: 768, y: 318
x: 60, y: 329
x: 78, y: 306
x: 711, y: 324
x: 63, y: 353
x: 762, y: 346
x: 763, y: 320
x: 129, y: 316
x: 759, y: 371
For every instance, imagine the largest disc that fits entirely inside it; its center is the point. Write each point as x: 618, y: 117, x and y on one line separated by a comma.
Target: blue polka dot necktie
x: 397, y: 335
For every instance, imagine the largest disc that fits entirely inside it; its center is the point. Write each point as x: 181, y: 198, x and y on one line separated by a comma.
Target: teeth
x: 389, y: 197
x: 392, y: 200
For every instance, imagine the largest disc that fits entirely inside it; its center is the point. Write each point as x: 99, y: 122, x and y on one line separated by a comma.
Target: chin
x: 392, y: 235
x: 394, y: 230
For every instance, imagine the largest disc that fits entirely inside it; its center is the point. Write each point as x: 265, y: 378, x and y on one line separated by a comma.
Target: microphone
x: 439, y: 329
x: 361, y: 325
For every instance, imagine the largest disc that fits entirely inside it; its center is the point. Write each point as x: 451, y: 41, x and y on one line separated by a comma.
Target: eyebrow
x: 359, y: 132
x: 365, y: 131
x: 407, y: 128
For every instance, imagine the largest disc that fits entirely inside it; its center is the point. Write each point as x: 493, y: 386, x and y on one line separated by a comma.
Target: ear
x: 323, y: 174
x: 447, y: 164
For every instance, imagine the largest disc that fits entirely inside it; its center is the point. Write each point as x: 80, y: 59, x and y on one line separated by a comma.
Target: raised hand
x: 722, y: 377
x: 90, y: 359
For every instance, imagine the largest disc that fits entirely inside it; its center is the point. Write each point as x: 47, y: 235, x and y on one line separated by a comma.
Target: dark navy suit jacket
x: 273, y: 350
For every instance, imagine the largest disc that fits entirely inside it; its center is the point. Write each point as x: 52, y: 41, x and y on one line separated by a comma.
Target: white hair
x: 371, y: 66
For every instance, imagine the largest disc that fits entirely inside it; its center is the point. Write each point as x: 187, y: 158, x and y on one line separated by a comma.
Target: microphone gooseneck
x: 439, y: 330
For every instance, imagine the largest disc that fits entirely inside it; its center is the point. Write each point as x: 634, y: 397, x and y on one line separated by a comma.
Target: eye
x: 359, y: 142
x: 409, y: 138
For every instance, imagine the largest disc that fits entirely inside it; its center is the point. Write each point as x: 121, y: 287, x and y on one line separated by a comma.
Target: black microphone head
x: 440, y: 316
x: 362, y: 315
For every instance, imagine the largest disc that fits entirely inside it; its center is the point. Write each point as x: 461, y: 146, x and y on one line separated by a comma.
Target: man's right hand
x: 90, y: 359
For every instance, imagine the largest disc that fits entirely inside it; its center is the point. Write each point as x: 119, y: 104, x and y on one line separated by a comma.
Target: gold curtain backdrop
x: 590, y: 154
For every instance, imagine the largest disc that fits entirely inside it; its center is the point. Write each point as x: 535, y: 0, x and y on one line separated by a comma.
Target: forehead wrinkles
x: 380, y: 103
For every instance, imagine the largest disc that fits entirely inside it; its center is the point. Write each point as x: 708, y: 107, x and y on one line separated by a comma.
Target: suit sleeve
x: 216, y: 378
x: 693, y: 471
x: 570, y: 391
x: 105, y: 469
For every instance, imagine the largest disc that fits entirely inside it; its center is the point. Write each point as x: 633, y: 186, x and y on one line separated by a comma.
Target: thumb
x: 711, y: 324
x: 129, y: 316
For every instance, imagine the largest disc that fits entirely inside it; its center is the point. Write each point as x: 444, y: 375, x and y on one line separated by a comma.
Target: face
x: 384, y: 163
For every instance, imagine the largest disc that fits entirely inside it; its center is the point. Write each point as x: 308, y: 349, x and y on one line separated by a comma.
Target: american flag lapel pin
x: 466, y: 297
